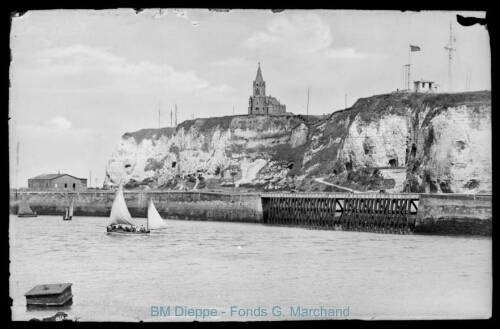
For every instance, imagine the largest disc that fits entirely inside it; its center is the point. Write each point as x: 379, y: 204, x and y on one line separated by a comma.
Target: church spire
x: 259, y: 75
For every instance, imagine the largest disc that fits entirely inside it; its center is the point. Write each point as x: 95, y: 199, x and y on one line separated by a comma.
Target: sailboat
x: 69, y: 211
x: 155, y: 222
x: 25, y: 210
x: 120, y: 217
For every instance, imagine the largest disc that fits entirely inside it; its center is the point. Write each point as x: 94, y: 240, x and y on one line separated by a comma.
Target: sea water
x: 219, y: 271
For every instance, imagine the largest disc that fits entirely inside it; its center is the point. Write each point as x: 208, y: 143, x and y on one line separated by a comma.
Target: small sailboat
x: 25, y: 210
x: 155, y: 222
x: 120, y: 221
x: 69, y: 211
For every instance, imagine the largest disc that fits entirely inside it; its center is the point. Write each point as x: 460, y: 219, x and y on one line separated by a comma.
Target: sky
x: 80, y: 79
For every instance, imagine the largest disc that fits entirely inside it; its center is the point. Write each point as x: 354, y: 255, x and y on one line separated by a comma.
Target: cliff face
x: 397, y: 142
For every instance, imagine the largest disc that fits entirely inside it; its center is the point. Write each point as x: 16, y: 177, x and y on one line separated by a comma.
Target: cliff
x: 396, y: 142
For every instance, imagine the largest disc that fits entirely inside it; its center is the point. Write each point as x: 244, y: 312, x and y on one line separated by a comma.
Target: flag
x: 414, y: 48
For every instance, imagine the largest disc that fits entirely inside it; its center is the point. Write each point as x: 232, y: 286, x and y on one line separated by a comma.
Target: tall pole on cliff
x: 17, y: 168
x: 450, y: 48
x: 409, y: 63
x: 345, y: 100
x: 159, y: 105
x: 307, y: 101
x: 90, y: 180
x: 404, y: 77
x: 412, y: 49
x: 176, y: 114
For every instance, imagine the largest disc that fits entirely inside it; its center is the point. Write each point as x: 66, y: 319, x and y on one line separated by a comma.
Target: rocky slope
x: 397, y: 142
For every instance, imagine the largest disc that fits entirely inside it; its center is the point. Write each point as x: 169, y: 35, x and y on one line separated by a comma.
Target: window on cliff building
x: 393, y: 162
x: 127, y: 166
x: 173, y: 164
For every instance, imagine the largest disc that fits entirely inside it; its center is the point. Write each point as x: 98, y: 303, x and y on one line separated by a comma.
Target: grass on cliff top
x: 148, y: 133
x: 371, y: 107
x: 205, y: 124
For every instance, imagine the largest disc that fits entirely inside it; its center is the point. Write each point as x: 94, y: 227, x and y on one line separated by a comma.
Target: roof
x: 53, y: 176
x: 423, y: 81
x: 48, y: 289
x: 259, y: 75
x: 273, y: 101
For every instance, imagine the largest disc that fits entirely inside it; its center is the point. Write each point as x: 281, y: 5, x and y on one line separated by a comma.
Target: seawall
x: 454, y: 214
x: 204, y: 206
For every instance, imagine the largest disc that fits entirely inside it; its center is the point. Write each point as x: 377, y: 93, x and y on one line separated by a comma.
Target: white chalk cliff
x: 416, y: 142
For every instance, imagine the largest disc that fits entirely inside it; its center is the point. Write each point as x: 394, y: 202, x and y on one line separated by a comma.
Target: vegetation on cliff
x: 152, y: 134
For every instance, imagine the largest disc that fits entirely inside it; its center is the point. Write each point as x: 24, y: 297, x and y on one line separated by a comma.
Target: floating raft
x: 49, y: 294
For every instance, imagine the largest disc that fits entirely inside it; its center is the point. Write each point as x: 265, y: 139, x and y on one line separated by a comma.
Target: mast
x: 147, y: 215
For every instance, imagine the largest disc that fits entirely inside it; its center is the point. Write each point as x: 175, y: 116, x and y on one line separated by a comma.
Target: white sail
x: 119, y: 211
x: 71, y: 208
x: 154, y: 219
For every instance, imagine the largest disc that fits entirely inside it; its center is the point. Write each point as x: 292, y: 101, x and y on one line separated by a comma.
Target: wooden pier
x: 373, y: 212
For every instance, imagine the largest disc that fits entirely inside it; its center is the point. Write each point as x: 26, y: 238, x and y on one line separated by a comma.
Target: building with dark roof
x: 259, y: 103
x: 56, y: 181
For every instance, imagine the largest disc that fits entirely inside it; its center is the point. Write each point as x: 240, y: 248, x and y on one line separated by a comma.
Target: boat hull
x: 127, y: 233
x: 28, y: 215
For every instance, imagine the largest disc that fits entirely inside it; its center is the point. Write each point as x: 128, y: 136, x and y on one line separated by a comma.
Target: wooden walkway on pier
x: 374, y: 212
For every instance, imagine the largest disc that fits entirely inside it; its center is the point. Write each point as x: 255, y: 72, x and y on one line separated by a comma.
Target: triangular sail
x: 154, y: 219
x: 119, y: 210
x: 24, y: 208
x: 71, y: 208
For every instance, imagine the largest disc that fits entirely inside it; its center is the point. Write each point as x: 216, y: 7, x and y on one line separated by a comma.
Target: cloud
x: 303, y: 34
x: 82, y: 68
x: 300, y: 32
x: 231, y: 62
x: 59, y: 123
x: 351, y: 53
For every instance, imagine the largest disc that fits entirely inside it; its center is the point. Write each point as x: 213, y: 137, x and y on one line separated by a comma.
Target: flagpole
x: 409, y: 63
